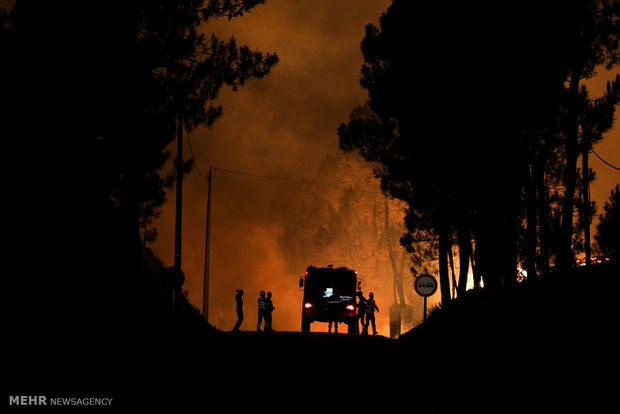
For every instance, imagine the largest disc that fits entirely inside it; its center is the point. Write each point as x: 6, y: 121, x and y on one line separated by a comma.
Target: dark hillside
x: 98, y: 336
x: 541, y: 346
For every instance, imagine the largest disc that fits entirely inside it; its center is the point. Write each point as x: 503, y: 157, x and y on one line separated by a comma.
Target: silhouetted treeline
x: 476, y: 116
x: 92, y: 95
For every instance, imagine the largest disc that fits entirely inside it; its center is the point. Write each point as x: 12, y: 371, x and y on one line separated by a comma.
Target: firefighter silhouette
x: 268, y: 309
x: 239, y: 309
x: 361, y: 311
x: 262, y: 310
x: 371, y: 307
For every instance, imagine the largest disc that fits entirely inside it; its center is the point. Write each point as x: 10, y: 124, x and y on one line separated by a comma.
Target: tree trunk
x: 586, y: 203
x: 543, y: 219
x: 464, y: 254
x: 398, y: 279
x: 451, y: 261
x: 531, y: 210
x: 409, y: 293
x: 178, y: 224
x: 509, y: 266
x: 565, y: 255
x: 444, y: 274
x: 491, y: 247
x: 475, y: 263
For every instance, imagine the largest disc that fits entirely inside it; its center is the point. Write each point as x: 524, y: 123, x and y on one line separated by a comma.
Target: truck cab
x: 329, y: 295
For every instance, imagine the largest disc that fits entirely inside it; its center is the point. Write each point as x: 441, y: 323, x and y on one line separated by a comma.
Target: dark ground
x: 547, y: 347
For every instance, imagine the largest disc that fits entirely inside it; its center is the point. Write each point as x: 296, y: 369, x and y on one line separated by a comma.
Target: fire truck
x: 329, y: 295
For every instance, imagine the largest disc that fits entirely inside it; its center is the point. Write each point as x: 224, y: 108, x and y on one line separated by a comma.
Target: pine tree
x: 608, y: 229
x: 94, y: 94
x: 593, y: 30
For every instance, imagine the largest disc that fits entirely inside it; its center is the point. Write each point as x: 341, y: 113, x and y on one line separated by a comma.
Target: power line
x: 303, y: 180
x: 270, y: 177
x: 262, y: 176
x: 191, y: 153
x: 599, y: 157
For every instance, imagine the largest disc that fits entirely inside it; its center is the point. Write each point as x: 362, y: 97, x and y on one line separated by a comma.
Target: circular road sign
x: 173, y: 277
x: 425, y: 285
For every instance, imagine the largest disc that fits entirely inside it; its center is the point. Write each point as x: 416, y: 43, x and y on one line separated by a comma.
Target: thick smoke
x: 266, y: 231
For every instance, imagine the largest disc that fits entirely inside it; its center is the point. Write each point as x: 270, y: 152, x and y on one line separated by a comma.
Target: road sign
x: 173, y: 277
x: 425, y: 285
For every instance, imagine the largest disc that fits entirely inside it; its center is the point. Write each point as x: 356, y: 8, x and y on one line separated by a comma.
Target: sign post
x: 425, y: 285
x: 173, y: 278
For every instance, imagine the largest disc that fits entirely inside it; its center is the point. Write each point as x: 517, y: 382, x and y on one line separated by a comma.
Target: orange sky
x: 608, y: 149
x: 285, y: 125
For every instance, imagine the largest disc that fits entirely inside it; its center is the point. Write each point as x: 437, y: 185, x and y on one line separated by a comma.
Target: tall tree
x: 93, y: 92
x: 593, y: 30
x: 465, y: 170
x: 425, y: 160
x: 608, y: 229
x: 596, y: 118
x: 196, y: 69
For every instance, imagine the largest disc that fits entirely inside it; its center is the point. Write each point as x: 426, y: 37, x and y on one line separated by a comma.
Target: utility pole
x: 179, y: 197
x: 205, y: 297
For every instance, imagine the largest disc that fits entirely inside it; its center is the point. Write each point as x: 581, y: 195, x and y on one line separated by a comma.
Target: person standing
x: 262, y: 310
x: 239, y: 300
x: 371, y: 307
x: 268, y: 309
x: 361, y: 311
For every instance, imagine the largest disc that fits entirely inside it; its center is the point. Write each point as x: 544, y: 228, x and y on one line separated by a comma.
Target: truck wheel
x: 305, y: 324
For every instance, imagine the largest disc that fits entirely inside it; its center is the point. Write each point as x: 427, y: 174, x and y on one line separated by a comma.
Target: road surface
x: 294, y: 370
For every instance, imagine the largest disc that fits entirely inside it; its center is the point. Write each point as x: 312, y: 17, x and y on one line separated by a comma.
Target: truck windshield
x: 325, y: 283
